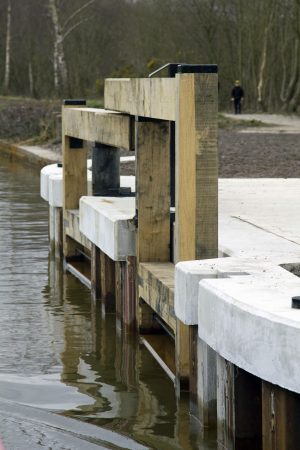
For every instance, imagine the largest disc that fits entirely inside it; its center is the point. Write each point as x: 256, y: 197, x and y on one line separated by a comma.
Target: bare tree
x: 7, y: 49
x: 61, y: 32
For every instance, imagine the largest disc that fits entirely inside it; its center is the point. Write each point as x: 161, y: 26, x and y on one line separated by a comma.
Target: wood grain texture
x: 156, y: 288
x: 98, y: 125
x: 239, y: 407
x: 71, y: 227
x: 153, y: 191
x: 74, y: 174
x: 74, y: 182
x: 146, y: 97
x: 280, y: 418
x: 196, y: 167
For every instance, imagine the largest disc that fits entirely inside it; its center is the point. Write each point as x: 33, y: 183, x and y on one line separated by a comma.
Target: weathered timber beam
x: 156, y: 288
x: 99, y: 125
x: 147, y: 97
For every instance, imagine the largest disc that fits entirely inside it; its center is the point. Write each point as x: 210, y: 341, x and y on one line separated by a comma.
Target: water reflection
x: 59, y: 352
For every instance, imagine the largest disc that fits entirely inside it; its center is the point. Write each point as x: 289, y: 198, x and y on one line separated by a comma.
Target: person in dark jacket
x: 237, y: 96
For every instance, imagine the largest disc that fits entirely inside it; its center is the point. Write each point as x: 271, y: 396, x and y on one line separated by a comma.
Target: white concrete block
x: 55, y: 189
x: 248, y: 320
x: 187, y: 277
x: 46, y: 172
x: 107, y: 223
x: 125, y: 159
x: 254, y: 225
x: 51, y: 185
x: 188, y: 274
x: 128, y: 181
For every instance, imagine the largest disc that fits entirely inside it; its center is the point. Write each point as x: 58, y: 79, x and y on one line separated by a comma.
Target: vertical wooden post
x: 280, y: 418
x: 58, y: 231
x: 51, y: 228
x: 74, y: 178
x: 120, y: 276
x: 206, y: 385
x: 152, y: 144
x: 105, y: 169
x: 95, y: 273
x: 129, y: 306
x: 196, y: 224
x: 225, y: 404
x: 152, y: 190
x: 238, y: 408
x: 107, y: 269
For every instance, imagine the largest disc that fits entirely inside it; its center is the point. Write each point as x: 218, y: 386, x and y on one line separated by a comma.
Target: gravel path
x: 277, y: 123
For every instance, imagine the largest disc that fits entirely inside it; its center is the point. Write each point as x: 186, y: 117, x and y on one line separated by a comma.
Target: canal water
x: 68, y: 378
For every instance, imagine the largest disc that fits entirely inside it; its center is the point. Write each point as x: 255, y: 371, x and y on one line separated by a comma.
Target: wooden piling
x: 95, y: 273
x: 238, y: 408
x: 74, y: 181
x: 152, y: 145
x: 206, y: 385
x: 152, y: 190
x: 107, y: 270
x: 280, y: 418
x: 196, y: 168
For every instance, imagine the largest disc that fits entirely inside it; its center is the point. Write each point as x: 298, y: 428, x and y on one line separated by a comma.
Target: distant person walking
x: 237, y: 97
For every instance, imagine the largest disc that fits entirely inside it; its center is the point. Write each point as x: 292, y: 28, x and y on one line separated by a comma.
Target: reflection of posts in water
x: 103, y: 334
x: 55, y: 277
x: 77, y: 328
x: 126, y: 359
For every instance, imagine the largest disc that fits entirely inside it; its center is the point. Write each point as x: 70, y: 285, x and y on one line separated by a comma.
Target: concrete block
x: 248, y: 320
x: 107, y: 223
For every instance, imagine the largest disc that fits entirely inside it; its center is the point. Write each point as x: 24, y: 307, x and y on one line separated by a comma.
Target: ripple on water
x: 57, y: 353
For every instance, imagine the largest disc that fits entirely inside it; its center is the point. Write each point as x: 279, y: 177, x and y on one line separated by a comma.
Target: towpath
x: 275, y: 122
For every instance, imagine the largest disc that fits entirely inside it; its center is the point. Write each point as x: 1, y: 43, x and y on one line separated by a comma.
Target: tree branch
x: 73, y: 27
x: 75, y: 13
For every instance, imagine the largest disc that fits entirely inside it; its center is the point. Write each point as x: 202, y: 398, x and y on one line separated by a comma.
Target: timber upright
x: 219, y: 327
x: 134, y: 243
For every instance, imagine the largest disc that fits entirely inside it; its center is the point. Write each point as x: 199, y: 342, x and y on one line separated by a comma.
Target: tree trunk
x: 7, y: 49
x: 31, y: 82
x: 59, y: 62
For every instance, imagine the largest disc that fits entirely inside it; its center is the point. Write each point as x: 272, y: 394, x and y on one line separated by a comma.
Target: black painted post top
x: 75, y: 102
x: 296, y: 302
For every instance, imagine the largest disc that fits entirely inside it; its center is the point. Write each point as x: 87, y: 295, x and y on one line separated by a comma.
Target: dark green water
x: 61, y: 360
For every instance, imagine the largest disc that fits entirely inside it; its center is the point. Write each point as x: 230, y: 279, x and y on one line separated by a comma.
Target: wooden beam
x: 196, y: 224
x: 71, y: 228
x: 99, y: 125
x: 152, y: 143
x: 156, y: 288
x: 147, y: 97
